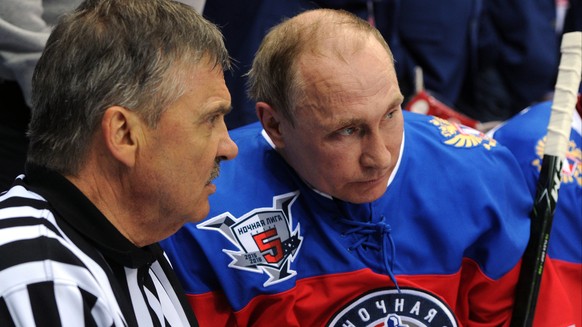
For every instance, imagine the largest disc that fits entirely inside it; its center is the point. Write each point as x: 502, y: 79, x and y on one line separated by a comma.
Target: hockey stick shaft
x: 557, y: 140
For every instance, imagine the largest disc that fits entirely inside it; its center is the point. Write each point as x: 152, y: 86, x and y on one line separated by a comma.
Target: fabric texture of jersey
x: 63, y: 264
x: 441, y: 247
x: 525, y: 135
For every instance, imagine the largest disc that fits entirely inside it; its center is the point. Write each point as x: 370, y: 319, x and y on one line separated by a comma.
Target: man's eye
x: 347, y: 131
x: 389, y: 115
x: 213, y: 119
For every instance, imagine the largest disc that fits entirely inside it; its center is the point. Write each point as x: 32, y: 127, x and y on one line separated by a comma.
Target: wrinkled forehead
x: 354, y: 79
x: 343, y: 61
x: 337, y: 43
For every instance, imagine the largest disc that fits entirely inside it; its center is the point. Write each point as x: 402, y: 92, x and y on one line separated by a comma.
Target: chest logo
x: 390, y: 308
x: 264, y: 238
x: 571, y: 166
x: 461, y: 136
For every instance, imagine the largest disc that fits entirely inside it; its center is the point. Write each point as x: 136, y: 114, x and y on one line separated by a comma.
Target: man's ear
x: 120, y: 129
x: 271, y: 121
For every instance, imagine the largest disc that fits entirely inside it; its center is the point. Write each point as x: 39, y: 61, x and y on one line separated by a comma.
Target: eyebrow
x: 398, y: 101
x: 347, y: 122
x: 222, y: 109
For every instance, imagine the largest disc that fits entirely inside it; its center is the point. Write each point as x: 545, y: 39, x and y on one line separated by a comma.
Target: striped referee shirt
x: 62, y: 263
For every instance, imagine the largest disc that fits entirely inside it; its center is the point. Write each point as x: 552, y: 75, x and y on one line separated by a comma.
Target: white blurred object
x: 197, y: 4
x: 561, y: 9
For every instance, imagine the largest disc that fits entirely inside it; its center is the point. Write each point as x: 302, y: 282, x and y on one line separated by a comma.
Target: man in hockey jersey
x: 524, y: 135
x: 343, y: 210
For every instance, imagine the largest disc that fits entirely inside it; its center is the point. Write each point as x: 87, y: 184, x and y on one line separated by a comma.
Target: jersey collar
x: 75, y: 209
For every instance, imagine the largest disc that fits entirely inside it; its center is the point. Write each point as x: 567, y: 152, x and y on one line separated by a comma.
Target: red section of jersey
x: 211, y: 309
x: 571, y: 278
x: 554, y: 306
x: 313, y: 301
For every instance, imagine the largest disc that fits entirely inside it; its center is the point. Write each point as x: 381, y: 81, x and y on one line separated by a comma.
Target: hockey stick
x: 557, y: 140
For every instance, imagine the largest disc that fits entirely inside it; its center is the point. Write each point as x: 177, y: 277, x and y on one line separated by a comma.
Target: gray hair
x: 274, y: 77
x: 129, y: 53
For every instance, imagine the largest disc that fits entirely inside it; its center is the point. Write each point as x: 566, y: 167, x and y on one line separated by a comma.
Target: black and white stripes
x: 53, y: 275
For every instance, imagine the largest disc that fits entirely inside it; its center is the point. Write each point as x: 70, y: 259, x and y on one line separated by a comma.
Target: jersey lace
x: 365, y: 232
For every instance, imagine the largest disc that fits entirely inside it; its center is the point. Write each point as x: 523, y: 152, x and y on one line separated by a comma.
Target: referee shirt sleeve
x: 47, y: 287
x: 30, y: 299
x: 52, y: 304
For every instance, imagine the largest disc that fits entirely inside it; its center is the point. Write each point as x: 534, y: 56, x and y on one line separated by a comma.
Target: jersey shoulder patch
x: 571, y: 165
x: 461, y: 136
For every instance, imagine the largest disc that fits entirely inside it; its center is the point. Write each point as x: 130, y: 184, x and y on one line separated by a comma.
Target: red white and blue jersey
x: 525, y: 136
x: 441, y: 247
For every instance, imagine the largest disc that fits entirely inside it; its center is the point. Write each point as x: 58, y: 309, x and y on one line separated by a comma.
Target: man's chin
x: 199, y: 216
x: 359, y: 196
x: 200, y: 211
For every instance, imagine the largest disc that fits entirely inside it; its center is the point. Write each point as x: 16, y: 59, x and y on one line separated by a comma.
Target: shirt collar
x: 74, y: 208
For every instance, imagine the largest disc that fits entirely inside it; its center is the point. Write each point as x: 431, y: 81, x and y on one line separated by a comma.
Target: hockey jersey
x: 525, y: 136
x: 441, y: 247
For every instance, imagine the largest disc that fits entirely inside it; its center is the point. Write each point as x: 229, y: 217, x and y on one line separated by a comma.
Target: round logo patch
x: 390, y: 308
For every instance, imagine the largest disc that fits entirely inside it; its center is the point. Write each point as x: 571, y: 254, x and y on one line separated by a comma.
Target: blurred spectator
x: 517, y: 59
x: 487, y: 59
x: 244, y: 23
x: 438, y: 36
x: 24, y: 28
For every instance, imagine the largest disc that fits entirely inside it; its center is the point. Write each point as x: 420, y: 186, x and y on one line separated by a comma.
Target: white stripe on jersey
x: 70, y: 304
x: 141, y: 309
x: 15, y: 212
x: 20, y: 191
x: 168, y: 301
x: 101, y: 314
x: 13, y: 234
x: 19, y: 306
x: 154, y: 303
